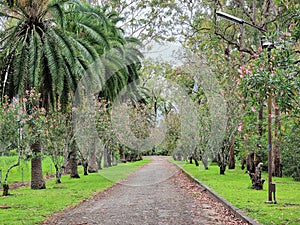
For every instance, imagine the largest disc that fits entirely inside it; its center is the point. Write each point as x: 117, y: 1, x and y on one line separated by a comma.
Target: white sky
x: 164, y: 52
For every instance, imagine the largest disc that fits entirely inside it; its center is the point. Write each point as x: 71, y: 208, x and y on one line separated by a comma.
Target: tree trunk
x: 85, y: 167
x: 231, y: 154
x: 251, y: 162
x: 204, y: 160
x: 105, y: 158
x: 277, y: 164
x: 243, y: 162
x: 92, y: 166
x: 122, y: 155
x: 222, y: 169
x: 114, y: 161
x: 196, y: 162
x: 57, y: 174
x: 257, y: 181
x: 109, y: 161
x: 37, y: 180
x: 72, y: 161
x: 5, y: 189
x: 99, y: 159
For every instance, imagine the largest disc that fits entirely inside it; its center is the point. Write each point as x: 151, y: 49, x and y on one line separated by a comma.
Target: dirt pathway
x: 158, y: 193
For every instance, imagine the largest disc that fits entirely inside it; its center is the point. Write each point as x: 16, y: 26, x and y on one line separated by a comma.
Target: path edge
x: 239, y: 213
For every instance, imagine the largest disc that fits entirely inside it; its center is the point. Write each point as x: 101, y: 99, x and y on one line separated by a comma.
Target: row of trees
x: 47, y: 47
x: 211, y: 108
x: 247, y: 73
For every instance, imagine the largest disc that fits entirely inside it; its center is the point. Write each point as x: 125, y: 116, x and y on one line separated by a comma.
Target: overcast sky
x: 164, y: 52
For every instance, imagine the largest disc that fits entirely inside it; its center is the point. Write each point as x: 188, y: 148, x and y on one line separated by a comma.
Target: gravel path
x: 158, y: 193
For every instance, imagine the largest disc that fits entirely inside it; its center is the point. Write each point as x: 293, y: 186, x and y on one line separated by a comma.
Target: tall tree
x: 41, y: 49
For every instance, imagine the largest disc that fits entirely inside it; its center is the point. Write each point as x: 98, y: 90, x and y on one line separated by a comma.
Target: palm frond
x: 20, y: 68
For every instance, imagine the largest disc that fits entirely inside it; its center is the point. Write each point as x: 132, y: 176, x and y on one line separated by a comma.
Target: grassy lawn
x: 32, y: 207
x: 25, y: 166
x: 235, y: 187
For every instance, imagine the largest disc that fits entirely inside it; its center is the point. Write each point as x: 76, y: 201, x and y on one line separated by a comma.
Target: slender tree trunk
x: 37, y: 180
x: 99, y: 159
x: 231, y: 154
x: 72, y: 161
x: 222, y: 157
x: 122, y: 155
x: 277, y: 164
x: 109, y: 160
x: 196, y: 161
x: 5, y: 184
x: 92, y: 166
x: 85, y: 167
x: 222, y: 169
x: 114, y: 160
x: 57, y: 174
x: 204, y: 160
x: 105, y: 157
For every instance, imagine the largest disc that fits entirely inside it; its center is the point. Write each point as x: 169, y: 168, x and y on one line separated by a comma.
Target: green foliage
x: 291, y: 150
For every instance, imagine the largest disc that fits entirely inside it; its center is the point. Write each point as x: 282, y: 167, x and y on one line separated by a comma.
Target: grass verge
x: 235, y: 187
x: 26, y: 206
x: 22, y: 172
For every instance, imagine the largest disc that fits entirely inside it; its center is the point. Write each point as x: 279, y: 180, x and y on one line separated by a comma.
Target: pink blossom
x: 24, y: 99
x: 253, y: 109
x: 254, y: 56
x: 240, y: 127
x: 272, y: 115
x: 292, y: 25
x: 248, y: 71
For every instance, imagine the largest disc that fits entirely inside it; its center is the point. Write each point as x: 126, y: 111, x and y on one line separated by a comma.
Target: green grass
x: 235, y: 187
x: 33, y: 206
x: 15, y: 174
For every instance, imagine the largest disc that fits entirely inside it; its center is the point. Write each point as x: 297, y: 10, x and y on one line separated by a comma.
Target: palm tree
x: 47, y: 45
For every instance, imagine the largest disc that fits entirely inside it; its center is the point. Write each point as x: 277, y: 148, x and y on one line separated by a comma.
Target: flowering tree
x: 22, y: 123
x: 56, y: 139
x: 272, y: 72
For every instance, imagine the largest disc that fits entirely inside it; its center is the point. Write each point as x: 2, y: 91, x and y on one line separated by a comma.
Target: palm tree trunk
x: 37, y: 180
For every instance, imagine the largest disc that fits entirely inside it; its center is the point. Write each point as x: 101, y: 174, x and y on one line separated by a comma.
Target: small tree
x: 56, y: 139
